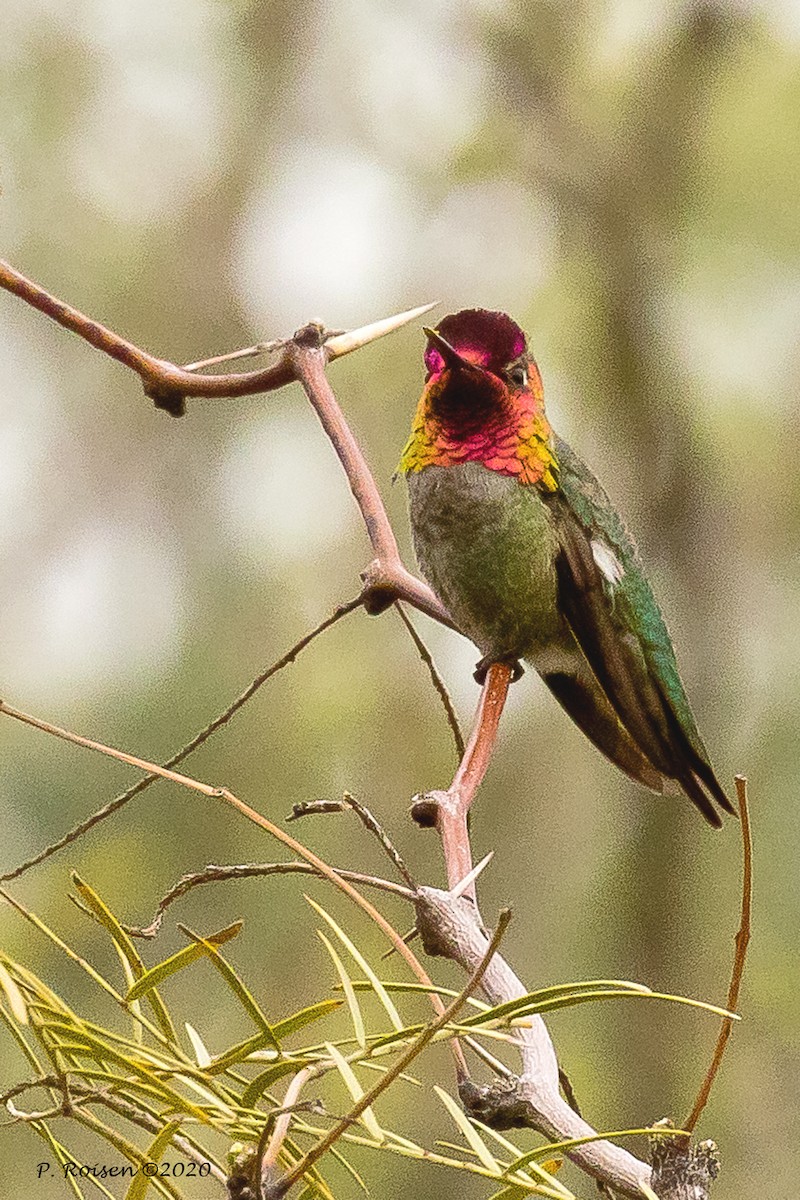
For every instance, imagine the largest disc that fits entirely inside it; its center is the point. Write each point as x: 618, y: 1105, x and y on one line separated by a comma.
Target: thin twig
x: 436, y: 679
x: 494, y: 1064
x: 263, y: 822
x: 126, y: 1108
x: 303, y: 357
x: 46, y: 1081
x: 739, y: 958
x: 215, y: 874
x: 371, y: 823
x: 410, y: 936
x: 281, y: 1187
x: 198, y: 740
x: 19, y: 1117
x: 480, y: 747
x: 315, y: 808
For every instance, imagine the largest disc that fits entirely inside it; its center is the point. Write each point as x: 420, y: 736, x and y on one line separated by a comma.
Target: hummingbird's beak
x: 450, y: 355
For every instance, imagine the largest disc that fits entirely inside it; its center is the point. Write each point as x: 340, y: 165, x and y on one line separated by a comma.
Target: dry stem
x: 258, y: 819
x: 219, y: 874
x: 198, y: 740
x: 740, y: 955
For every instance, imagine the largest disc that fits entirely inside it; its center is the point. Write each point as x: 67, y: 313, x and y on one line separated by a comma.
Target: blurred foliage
x: 621, y: 177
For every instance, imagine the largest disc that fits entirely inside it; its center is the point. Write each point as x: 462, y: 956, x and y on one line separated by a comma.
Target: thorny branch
x: 450, y: 924
x: 303, y: 357
x: 168, y: 384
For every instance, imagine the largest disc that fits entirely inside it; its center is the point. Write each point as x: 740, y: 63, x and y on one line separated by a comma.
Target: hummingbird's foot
x: 425, y: 809
x: 482, y: 669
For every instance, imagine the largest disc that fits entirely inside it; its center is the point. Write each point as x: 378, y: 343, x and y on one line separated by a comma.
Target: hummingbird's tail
x: 582, y: 698
x: 694, y: 771
x: 579, y: 693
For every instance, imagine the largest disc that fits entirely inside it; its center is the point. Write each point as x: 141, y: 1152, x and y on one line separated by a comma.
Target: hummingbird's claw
x: 482, y: 668
x: 425, y: 809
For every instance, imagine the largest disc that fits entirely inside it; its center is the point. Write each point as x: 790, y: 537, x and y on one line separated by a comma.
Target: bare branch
x: 215, y: 874
x: 740, y: 955
x: 167, y: 384
x: 436, y: 680
x: 28, y: 1085
x: 198, y: 740
x: 449, y: 810
x: 450, y: 927
x: 386, y: 579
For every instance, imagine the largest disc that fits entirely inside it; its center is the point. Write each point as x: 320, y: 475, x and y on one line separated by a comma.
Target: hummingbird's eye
x: 519, y: 375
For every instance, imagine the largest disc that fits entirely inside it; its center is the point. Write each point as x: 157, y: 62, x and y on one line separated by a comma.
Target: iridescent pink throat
x: 516, y: 440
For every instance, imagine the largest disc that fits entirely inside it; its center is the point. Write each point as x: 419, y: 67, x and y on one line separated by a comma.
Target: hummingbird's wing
x: 583, y: 699
x: 607, y: 600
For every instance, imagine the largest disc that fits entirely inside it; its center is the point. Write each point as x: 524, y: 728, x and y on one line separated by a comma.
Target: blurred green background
x: 623, y: 178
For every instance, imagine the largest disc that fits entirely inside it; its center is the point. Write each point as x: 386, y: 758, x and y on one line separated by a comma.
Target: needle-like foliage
x: 164, y: 1103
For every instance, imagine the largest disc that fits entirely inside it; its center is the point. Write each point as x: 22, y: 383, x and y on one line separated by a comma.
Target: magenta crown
x: 490, y: 338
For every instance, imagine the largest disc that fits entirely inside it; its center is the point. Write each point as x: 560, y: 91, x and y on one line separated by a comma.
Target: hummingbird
x: 526, y: 551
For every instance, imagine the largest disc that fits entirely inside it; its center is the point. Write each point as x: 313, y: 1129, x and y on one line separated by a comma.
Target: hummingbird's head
x: 477, y: 361
x: 482, y: 401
